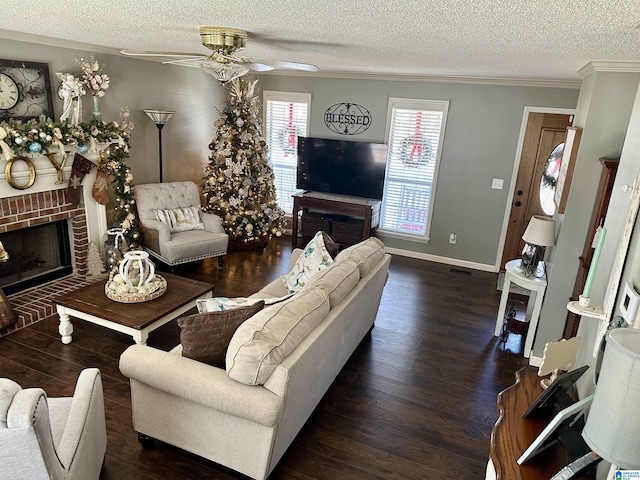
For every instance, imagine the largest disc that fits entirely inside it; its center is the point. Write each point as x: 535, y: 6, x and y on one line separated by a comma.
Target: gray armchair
x: 57, y: 438
x: 160, y: 238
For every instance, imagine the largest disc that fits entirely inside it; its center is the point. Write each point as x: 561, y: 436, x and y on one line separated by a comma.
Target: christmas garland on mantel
x: 43, y: 136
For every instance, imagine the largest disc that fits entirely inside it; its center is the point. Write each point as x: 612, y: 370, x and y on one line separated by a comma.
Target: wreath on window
x: 288, y: 139
x: 416, y: 151
x: 552, y: 168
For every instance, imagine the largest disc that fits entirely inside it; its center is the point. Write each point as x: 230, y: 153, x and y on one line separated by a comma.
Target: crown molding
x: 499, y: 81
x: 56, y: 42
x: 604, y: 66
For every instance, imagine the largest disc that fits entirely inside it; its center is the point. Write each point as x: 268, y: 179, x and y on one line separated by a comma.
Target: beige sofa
x: 246, y: 417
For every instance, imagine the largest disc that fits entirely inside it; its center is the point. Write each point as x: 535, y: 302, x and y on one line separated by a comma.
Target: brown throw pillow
x: 331, y: 246
x: 205, y: 336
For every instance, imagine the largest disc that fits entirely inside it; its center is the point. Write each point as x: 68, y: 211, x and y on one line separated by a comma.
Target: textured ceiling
x: 506, y: 39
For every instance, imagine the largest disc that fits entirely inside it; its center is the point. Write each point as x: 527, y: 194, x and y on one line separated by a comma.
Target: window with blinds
x: 286, y: 118
x: 415, y: 133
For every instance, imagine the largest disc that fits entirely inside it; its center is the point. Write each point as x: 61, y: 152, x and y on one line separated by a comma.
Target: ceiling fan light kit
x: 222, y: 62
x: 224, y: 72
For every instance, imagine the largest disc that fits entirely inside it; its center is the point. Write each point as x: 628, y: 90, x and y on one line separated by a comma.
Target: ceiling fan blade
x: 144, y: 53
x: 258, y: 67
x: 291, y: 65
x: 182, y: 61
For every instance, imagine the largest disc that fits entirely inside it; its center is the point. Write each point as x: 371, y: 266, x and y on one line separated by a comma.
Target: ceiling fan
x: 223, y: 62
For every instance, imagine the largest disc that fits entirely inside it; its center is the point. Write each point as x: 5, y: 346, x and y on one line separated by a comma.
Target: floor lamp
x: 159, y: 117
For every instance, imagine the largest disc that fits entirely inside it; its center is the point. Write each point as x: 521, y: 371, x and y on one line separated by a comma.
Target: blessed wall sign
x: 347, y: 118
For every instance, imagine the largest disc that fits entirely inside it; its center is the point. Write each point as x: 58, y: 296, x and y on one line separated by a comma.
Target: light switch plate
x: 497, y: 183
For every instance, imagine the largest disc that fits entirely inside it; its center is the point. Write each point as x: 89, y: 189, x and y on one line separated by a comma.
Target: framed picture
x: 567, y: 164
x: 564, y: 418
x: 33, y: 85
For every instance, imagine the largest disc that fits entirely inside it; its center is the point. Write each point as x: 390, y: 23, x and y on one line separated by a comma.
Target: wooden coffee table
x: 136, y: 319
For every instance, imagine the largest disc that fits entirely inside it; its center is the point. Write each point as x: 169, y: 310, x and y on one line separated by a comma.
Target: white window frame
x: 423, y: 105
x: 277, y: 96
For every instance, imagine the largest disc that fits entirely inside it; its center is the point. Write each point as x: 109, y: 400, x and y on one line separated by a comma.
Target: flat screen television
x: 341, y: 167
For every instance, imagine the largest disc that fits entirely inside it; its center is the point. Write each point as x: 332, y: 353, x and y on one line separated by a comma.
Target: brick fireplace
x: 43, y: 203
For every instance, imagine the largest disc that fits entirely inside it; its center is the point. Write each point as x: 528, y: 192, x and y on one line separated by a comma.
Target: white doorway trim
x: 516, y: 166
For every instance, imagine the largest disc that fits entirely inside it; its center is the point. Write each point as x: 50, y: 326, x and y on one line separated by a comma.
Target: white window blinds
x: 415, y: 133
x: 286, y: 118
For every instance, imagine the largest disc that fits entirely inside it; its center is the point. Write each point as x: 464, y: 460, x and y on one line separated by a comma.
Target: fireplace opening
x: 37, y: 255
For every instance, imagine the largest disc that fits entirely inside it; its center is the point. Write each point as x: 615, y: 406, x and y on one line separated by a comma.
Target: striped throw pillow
x: 180, y: 219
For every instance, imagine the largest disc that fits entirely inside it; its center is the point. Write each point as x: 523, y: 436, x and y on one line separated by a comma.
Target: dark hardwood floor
x: 417, y: 399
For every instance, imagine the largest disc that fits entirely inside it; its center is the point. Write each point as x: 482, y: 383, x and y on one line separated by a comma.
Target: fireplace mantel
x: 45, y: 181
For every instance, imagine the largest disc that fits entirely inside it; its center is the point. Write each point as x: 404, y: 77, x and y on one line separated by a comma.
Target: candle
x: 594, y: 263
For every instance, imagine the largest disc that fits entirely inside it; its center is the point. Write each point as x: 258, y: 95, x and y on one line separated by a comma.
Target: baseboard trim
x: 446, y: 260
x: 535, y: 361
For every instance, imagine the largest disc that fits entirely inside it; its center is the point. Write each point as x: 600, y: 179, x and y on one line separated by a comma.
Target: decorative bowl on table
x: 118, y: 291
x: 135, y: 280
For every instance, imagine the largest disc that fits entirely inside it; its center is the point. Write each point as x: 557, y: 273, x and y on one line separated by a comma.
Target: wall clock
x: 34, y: 89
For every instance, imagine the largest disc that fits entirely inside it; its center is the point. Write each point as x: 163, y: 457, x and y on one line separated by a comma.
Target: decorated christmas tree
x: 239, y: 185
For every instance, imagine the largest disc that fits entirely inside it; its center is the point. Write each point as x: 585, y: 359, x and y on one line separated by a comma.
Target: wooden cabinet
x: 368, y: 210
x: 610, y: 168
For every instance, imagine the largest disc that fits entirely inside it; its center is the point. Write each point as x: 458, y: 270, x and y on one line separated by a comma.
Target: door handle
x: 518, y: 203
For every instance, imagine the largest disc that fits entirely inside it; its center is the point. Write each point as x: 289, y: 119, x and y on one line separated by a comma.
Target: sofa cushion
x: 193, y: 244
x: 8, y: 388
x: 313, y: 258
x: 365, y: 254
x: 337, y: 280
x: 274, y: 289
x: 205, y: 336
x: 180, y: 219
x: 261, y: 343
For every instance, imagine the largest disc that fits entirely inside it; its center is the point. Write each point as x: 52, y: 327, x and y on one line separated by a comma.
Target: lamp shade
x: 540, y: 231
x: 159, y: 117
x: 613, y: 425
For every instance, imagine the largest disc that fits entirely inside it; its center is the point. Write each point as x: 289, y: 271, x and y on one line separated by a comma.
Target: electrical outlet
x: 453, y: 238
x: 497, y: 183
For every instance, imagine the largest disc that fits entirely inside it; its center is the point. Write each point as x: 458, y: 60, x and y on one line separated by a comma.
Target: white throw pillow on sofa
x: 313, y: 258
x: 263, y: 341
x: 220, y: 304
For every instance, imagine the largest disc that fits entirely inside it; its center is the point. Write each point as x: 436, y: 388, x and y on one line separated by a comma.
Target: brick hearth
x: 35, y: 304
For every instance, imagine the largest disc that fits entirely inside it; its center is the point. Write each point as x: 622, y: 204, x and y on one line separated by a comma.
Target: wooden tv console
x: 353, y: 206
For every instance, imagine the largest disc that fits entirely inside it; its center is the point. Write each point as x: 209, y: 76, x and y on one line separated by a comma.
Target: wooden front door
x: 544, y: 132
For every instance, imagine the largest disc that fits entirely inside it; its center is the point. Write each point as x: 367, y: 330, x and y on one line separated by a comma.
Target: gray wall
x: 480, y: 141
x: 140, y: 84
x: 481, y: 137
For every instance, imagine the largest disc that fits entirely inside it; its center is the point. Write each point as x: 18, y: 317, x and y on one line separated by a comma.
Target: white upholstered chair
x: 160, y: 239
x: 56, y: 438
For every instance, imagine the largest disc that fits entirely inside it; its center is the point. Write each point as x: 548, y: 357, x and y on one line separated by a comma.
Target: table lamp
x: 540, y: 233
x: 159, y: 117
x: 613, y: 423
